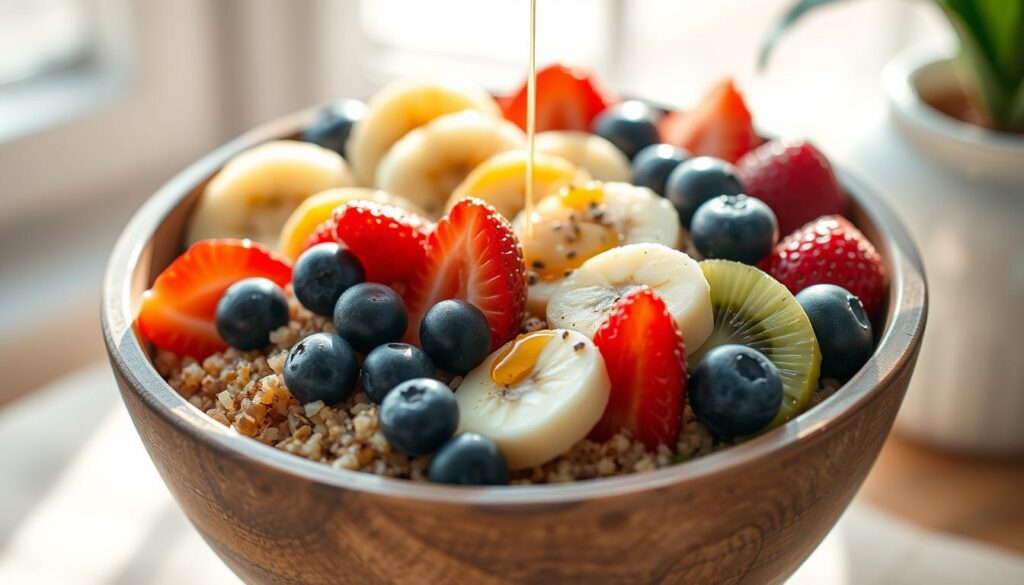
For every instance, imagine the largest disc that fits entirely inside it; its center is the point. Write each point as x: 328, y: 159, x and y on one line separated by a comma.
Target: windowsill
x: 43, y: 102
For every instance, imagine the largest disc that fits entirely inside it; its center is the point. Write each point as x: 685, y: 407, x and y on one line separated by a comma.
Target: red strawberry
x: 720, y: 125
x: 795, y: 180
x: 646, y: 362
x: 567, y: 99
x: 389, y: 241
x: 324, y: 233
x: 830, y: 250
x: 472, y: 255
x: 178, y: 312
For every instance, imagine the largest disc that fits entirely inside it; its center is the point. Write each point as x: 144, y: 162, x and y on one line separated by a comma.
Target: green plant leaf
x: 790, y: 17
x: 991, y: 36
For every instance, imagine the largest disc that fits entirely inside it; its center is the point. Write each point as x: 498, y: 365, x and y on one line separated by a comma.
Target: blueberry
x: 734, y: 227
x: 331, y: 126
x: 653, y: 165
x: 418, y: 416
x: 841, y: 326
x: 249, y: 311
x: 370, y: 314
x: 697, y: 180
x: 391, y: 364
x: 322, y: 273
x: 469, y: 459
x: 321, y: 366
x: 455, y: 335
x: 631, y: 126
x: 735, y: 391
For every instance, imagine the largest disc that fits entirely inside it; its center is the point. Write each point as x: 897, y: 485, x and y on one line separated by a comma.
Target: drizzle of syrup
x: 516, y: 361
x: 531, y: 117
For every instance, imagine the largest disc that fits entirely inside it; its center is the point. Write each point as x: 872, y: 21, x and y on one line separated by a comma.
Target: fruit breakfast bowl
x: 750, y: 513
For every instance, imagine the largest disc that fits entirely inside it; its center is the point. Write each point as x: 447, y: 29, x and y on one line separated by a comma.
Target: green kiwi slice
x: 753, y: 309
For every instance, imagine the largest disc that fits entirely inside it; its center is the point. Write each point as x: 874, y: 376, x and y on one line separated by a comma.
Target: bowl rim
x: 897, y: 345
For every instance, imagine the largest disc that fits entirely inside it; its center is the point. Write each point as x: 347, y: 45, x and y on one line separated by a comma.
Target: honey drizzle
x: 516, y: 361
x: 531, y: 117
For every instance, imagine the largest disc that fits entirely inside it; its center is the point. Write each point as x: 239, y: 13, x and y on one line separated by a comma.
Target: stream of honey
x: 531, y: 117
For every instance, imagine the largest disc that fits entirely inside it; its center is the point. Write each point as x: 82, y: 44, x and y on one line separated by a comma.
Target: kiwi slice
x: 753, y: 309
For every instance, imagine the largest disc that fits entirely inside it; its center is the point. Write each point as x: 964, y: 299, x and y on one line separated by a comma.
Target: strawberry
x: 795, y: 180
x: 389, y: 241
x: 567, y: 99
x: 472, y: 255
x: 179, y: 312
x: 720, y: 125
x: 830, y: 250
x: 646, y: 362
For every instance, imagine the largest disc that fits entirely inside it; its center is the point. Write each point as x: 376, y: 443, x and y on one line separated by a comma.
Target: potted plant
x: 958, y: 126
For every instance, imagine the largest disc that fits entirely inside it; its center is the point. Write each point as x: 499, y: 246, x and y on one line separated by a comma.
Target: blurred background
x: 101, y: 101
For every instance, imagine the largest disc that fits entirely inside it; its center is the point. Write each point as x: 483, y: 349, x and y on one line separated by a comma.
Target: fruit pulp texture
x: 516, y: 361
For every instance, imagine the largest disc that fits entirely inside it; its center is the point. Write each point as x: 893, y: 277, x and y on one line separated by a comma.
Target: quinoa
x: 246, y: 392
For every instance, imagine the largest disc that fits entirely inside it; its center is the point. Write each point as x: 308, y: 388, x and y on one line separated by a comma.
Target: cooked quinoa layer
x: 246, y: 391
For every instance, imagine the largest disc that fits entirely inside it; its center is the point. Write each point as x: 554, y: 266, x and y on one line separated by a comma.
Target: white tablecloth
x: 83, y: 504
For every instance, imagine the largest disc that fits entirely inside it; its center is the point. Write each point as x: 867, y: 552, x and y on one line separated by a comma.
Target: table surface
x: 83, y: 504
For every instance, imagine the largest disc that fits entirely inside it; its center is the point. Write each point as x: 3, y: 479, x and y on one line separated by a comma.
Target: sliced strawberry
x: 388, y: 240
x: 646, y: 362
x: 472, y: 255
x: 830, y: 250
x: 567, y: 99
x: 795, y: 180
x: 178, y: 312
x: 720, y: 125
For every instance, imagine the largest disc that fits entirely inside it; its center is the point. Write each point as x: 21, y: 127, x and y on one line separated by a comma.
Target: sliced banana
x: 602, y: 159
x: 564, y: 237
x: 501, y: 180
x: 256, y: 191
x: 547, y: 401
x: 427, y: 164
x: 402, y: 106
x: 587, y: 296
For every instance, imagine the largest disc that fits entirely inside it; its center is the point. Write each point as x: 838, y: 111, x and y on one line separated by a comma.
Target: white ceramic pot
x: 963, y: 200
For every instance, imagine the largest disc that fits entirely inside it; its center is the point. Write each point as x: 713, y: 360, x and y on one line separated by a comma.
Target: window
x: 38, y: 36
x: 486, y: 41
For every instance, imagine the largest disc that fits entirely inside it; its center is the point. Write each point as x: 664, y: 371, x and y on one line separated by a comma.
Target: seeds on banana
x: 586, y: 220
x: 586, y: 297
x: 602, y: 159
x: 402, y: 106
x: 427, y: 164
x: 501, y: 180
x: 537, y: 396
x: 256, y: 191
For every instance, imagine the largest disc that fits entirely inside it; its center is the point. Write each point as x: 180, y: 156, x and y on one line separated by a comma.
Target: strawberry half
x: 830, y: 250
x: 472, y: 255
x: 179, y: 312
x: 567, y: 99
x: 389, y: 241
x: 795, y: 180
x: 720, y: 125
x: 646, y: 362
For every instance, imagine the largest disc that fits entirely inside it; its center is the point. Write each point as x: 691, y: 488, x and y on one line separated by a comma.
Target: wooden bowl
x: 748, y: 514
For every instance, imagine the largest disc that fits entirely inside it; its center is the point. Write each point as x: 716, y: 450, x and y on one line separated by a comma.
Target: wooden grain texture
x: 749, y: 514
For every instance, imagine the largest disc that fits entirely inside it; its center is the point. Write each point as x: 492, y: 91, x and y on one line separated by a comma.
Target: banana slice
x: 402, y: 106
x: 602, y: 159
x: 552, y: 388
x: 501, y: 180
x: 586, y: 220
x: 317, y: 209
x: 587, y: 296
x: 255, y: 192
x: 427, y: 164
